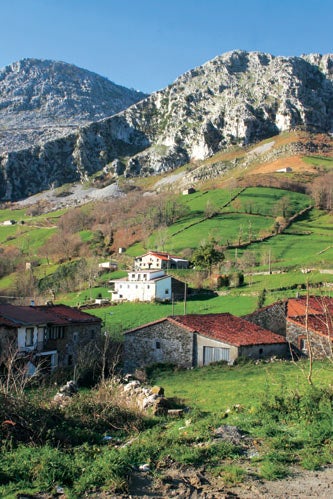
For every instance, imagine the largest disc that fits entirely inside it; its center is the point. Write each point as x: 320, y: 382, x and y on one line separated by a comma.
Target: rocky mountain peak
x: 237, y: 98
x: 43, y: 99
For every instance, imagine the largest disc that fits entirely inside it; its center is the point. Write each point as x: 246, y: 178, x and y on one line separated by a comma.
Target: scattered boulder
x: 146, y: 397
x: 65, y: 393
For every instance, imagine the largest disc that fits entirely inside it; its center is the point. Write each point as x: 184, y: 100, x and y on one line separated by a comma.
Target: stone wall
x: 321, y: 346
x: 272, y: 317
x: 160, y: 342
x: 262, y: 351
x: 76, y: 336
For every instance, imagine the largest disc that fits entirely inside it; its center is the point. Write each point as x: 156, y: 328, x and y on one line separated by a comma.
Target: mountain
x: 41, y: 100
x: 237, y: 98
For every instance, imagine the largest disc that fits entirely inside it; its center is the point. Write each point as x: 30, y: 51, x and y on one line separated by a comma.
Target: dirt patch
x: 294, y: 162
x: 189, y: 483
x: 301, y: 484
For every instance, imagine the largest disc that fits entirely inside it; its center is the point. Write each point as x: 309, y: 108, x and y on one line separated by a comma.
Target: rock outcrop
x: 237, y: 98
x: 41, y: 100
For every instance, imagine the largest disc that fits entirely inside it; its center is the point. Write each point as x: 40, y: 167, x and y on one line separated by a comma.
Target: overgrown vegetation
x: 97, y: 441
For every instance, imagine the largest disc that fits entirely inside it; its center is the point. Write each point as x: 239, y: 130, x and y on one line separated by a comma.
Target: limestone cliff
x: 237, y: 98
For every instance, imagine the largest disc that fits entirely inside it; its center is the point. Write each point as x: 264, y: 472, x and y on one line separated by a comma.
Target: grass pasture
x: 320, y: 161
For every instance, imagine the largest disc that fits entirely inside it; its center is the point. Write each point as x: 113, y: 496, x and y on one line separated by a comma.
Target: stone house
x: 310, y: 321
x: 159, y: 260
x: 48, y: 334
x: 272, y: 317
x: 195, y: 340
x: 300, y: 322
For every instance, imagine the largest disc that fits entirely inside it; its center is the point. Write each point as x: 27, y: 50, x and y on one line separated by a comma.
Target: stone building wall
x: 76, y: 336
x: 272, y: 317
x: 321, y: 346
x: 160, y: 342
x: 262, y: 351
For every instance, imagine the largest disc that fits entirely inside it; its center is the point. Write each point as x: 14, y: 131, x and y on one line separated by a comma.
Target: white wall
x: 142, y: 290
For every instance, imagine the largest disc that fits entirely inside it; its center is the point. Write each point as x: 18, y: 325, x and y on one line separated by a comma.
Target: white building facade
x: 144, y: 285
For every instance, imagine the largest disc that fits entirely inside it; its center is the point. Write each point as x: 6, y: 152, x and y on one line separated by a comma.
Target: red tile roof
x: 319, y: 311
x: 162, y: 255
x: 316, y: 305
x: 318, y: 323
x: 223, y: 327
x: 228, y: 328
x: 22, y: 315
x: 45, y: 314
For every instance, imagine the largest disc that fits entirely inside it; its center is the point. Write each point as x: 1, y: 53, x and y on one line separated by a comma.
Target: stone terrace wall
x: 161, y: 342
x: 272, y: 317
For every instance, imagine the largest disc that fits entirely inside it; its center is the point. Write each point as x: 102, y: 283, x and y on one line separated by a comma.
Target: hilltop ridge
x: 236, y: 99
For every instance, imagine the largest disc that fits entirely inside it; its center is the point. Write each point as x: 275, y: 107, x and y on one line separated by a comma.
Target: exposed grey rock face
x: 41, y: 100
x: 237, y: 98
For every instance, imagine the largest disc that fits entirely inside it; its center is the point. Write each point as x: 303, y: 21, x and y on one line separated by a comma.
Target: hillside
x: 238, y: 98
x: 42, y: 100
x: 255, y: 214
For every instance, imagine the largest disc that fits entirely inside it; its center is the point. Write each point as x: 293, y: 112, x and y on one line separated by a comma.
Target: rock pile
x: 65, y: 393
x: 149, y: 398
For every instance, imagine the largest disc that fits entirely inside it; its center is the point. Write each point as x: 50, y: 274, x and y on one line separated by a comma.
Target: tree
x: 207, y: 255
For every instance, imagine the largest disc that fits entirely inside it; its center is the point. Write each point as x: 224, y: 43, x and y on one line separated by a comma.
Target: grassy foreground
x: 284, y: 422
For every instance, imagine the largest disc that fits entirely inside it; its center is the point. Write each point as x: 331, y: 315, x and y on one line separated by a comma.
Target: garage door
x: 212, y: 354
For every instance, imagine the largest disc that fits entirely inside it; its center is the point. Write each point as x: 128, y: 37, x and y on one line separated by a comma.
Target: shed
x: 197, y: 340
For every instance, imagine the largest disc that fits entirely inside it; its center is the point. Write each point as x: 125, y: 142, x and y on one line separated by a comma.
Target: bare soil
x: 191, y: 483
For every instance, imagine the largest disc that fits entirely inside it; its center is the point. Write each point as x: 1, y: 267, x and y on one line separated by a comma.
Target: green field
x: 246, y: 385
x: 129, y: 315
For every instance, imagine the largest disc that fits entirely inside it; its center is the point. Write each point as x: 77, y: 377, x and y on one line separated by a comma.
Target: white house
x: 159, y: 260
x: 142, y: 285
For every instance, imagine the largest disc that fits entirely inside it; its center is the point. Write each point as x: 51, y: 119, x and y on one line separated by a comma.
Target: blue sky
x: 147, y: 44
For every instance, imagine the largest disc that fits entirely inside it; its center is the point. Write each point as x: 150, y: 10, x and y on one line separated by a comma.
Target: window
x: 213, y: 354
x: 166, y: 291
x: 158, y: 345
x: 303, y: 344
x: 29, y: 337
x: 75, y: 337
x: 261, y: 351
x: 56, y: 332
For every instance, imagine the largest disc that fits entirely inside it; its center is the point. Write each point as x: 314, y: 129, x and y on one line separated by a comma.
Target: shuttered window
x: 213, y: 354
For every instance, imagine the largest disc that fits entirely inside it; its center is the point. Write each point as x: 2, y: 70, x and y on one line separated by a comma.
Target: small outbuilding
x: 196, y: 340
